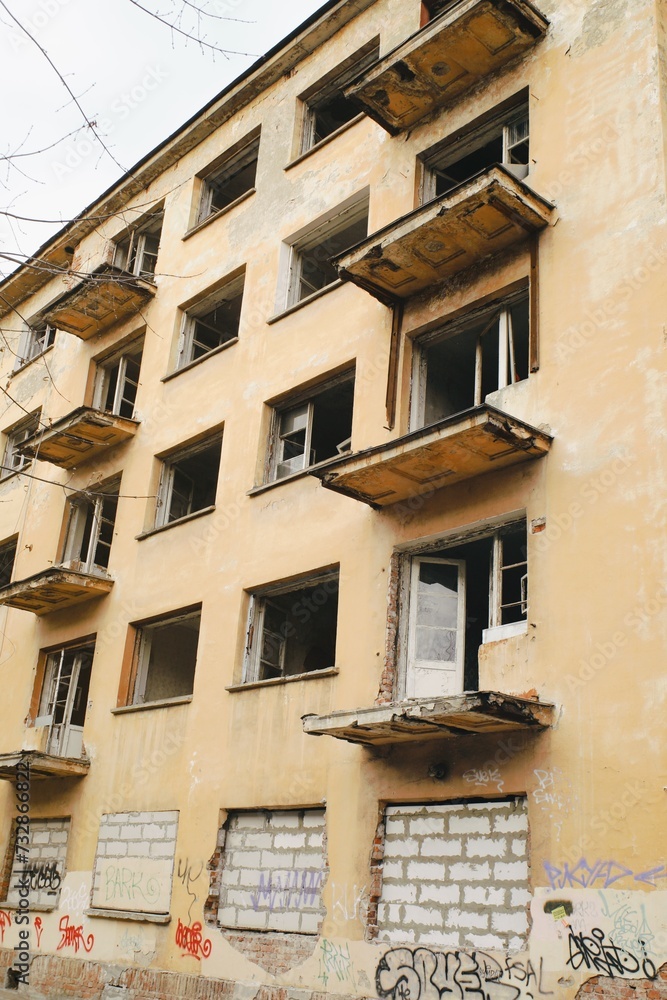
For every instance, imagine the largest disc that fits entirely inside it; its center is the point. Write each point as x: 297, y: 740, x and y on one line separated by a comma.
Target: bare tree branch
x: 186, y: 34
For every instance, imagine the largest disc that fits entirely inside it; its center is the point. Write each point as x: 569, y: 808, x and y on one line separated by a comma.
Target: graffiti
x: 583, y: 875
x: 422, y: 974
x: 5, y: 921
x: 335, y: 963
x: 293, y: 890
x: 44, y: 877
x: 72, y: 936
x: 631, y: 929
x: 184, y: 872
x: 546, y: 790
x: 606, y: 957
x: 126, y: 883
x: 348, y: 904
x: 484, y: 776
x: 39, y: 930
x: 74, y: 901
x: 191, y: 941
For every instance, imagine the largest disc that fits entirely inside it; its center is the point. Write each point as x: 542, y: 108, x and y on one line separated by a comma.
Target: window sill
x: 198, y: 361
x: 26, y: 364
x: 327, y: 139
x: 304, y: 302
x: 145, y: 706
x: 272, y: 681
x: 139, y: 915
x: 173, y: 524
x: 301, y: 474
x: 499, y: 632
x: 34, y: 907
x: 216, y: 215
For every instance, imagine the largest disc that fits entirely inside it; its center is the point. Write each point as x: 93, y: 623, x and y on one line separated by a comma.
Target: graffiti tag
x: 484, y: 776
x: 605, y: 957
x: 72, y: 936
x: 288, y: 890
x: 44, y: 877
x: 335, y: 962
x: 39, y: 930
x: 5, y: 921
x: 184, y: 872
x: 126, y: 883
x: 191, y: 941
x: 582, y: 874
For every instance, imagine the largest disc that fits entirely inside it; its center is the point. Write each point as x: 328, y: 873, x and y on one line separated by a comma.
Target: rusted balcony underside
x: 104, y: 298
x: 443, y: 60
x: 477, y: 713
x: 53, y: 590
x: 478, y: 219
x: 80, y: 436
x: 461, y: 447
x: 41, y: 765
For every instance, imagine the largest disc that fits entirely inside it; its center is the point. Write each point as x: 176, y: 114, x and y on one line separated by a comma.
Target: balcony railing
x: 105, y: 297
x: 54, y: 589
x: 478, y: 219
x: 82, y: 435
x: 455, y: 51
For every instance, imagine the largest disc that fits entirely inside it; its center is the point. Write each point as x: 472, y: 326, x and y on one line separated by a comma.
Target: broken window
x: 292, y: 629
x: 64, y: 698
x: 312, y: 429
x: 230, y: 180
x: 458, y: 595
x: 7, y: 560
x: 503, y: 138
x: 44, y: 844
x: 165, y: 658
x: 211, y: 323
x: 137, y: 250
x: 283, y: 894
x: 37, y: 337
x: 458, y: 368
x: 189, y: 481
x: 117, y: 381
x: 14, y: 460
x: 90, y: 530
x: 311, y: 268
x: 326, y: 107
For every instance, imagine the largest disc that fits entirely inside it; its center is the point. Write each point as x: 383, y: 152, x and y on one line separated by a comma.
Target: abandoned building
x: 332, y: 604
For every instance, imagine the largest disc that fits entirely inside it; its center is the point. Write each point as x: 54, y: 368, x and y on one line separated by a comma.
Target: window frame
x: 131, y: 258
x: 142, y: 651
x: 31, y: 346
x: 78, y: 508
x: 232, y: 288
x: 226, y: 167
x: 5, y: 547
x: 258, y: 599
x: 50, y: 683
x: 500, y: 309
x: 296, y: 401
x: 14, y: 438
x: 165, y: 489
x: 131, y: 351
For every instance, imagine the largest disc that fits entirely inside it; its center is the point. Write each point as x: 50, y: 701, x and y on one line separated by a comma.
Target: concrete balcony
x: 478, y: 219
x: 455, y: 51
x: 41, y: 765
x: 480, y: 712
x: 99, y: 301
x: 473, y: 443
x: 54, y: 589
x: 81, y: 436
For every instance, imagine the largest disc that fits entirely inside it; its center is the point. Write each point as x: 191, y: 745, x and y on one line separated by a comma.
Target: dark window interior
x: 329, y: 434
x: 131, y: 366
x: 195, y: 480
x: 299, y: 631
x: 317, y: 271
x: 216, y: 327
x: 236, y: 178
x: 172, y: 659
x: 329, y: 109
x: 7, y: 558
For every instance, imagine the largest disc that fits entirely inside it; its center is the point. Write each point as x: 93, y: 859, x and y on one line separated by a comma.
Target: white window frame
x: 132, y: 352
x: 433, y: 666
x: 143, y: 646
x: 13, y: 461
x: 79, y: 507
x: 167, y: 475
x: 232, y: 163
x: 61, y: 734
x: 131, y: 250
x: 36, y: 339
x: 327, y: 87
x: 232, y: 289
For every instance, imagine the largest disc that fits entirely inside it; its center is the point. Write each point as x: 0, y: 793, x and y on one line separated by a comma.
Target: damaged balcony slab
x: 444, y: 59
x: 463, y: 446
x: 106, y: 296
x: 53, y: 590
x: 79, y: 437
x: 41, y: 765
x: 478, y: 219
x: 478, y: 713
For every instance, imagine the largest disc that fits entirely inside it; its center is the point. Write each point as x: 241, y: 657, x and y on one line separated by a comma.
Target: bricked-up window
x: 7, y: 559
x: 134, y: 862
x: 189, y: 481
x: 326, y: 107
x: 230, y: 179
x: 455, y: 875
x: 273, y: 869
x: 292, y: 629
x: 46, y: 854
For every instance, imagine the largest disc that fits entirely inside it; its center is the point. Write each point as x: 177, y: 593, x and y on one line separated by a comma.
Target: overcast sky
x: 132, y: 76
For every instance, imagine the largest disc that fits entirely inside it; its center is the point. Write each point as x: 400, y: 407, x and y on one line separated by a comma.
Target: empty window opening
x: 137, y: 251
x: 90, y: 531
x: 505, y: 140
x: 230, y: 181
x: 311, y: 266
x: 166, y: 655
x: 460, y: 369
x: 118, y: 381
x: 189, y: 482
x: 313, y: 430
x: 327, y: 109
x: 36, y: 339
x: 456, y: 594
x: 293, y: 631
x: 14, y: 460
x: 7, y: 560
x: 64, y: 699
x: 211, y: 323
